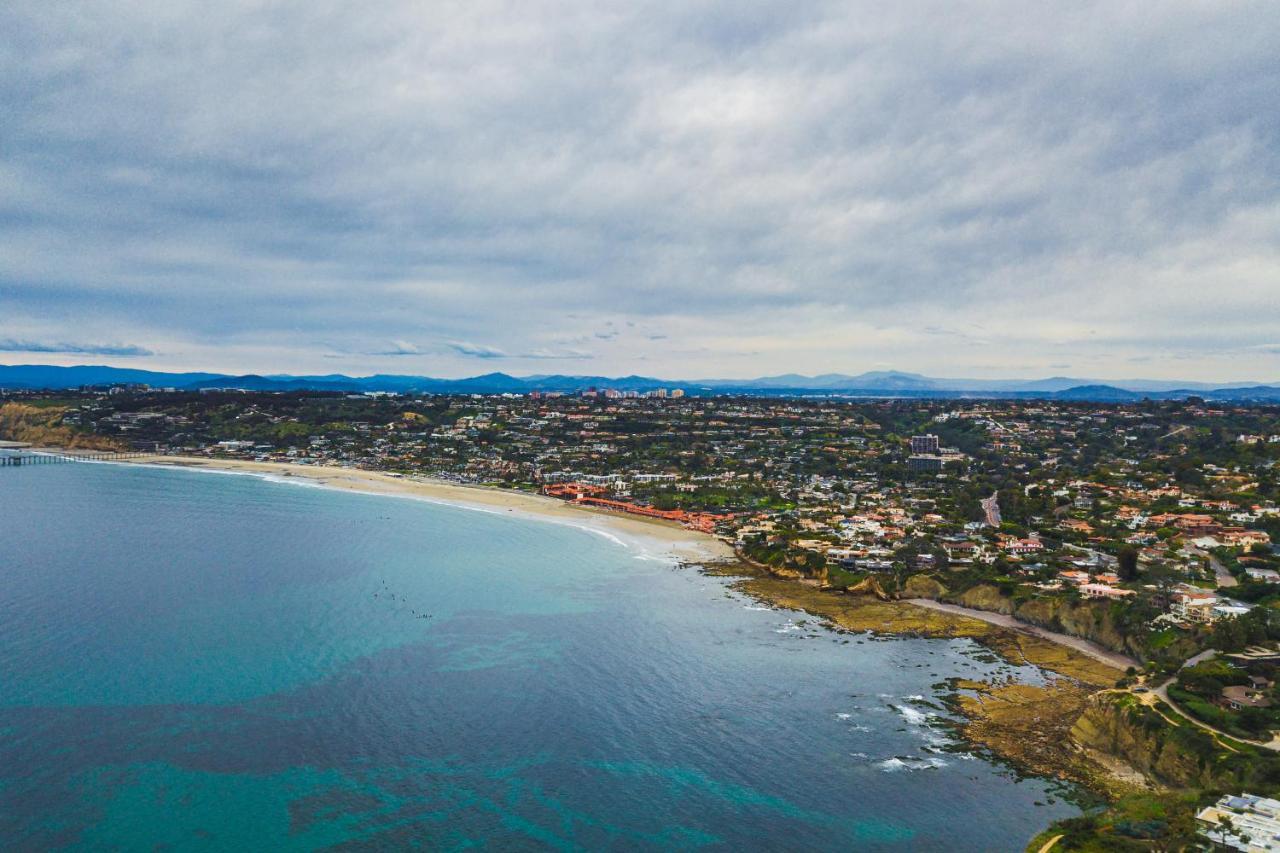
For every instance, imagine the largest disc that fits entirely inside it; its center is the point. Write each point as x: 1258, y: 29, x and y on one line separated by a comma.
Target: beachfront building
x: 1245, y: 822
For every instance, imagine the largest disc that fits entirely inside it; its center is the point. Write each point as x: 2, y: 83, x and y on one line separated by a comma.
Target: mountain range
x: 871, y: 384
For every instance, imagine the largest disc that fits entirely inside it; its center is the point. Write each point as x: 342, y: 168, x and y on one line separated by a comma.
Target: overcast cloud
x: 682, y: 189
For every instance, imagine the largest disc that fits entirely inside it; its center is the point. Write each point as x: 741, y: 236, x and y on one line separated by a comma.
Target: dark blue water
x: 215, y: 662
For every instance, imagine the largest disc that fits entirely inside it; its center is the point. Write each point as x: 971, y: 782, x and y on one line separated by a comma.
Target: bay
x: 219, y: 662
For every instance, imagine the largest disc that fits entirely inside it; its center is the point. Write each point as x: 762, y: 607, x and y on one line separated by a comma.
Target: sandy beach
x: 653, y: 536
x: 650, y: 535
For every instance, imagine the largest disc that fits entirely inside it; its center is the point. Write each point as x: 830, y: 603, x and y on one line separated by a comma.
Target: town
x: 1158, y: 517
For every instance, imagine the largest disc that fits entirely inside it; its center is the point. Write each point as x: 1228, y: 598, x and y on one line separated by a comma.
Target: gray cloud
x: 10, y: 345
x: 470, y: 350
x: 397, y: 348
x: 762, y: 187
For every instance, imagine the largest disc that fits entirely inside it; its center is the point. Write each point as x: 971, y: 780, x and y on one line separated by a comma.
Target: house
x: 1102, y: 590
x: 1194, y: 606
x: 1240, y: 538
x: 1023, y: 546
x: 1239, y: 696
x: 960, y: 552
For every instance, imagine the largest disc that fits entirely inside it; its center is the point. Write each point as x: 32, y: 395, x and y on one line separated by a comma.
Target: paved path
x: 1223, y: 577
x: 1048, y: 845
x: 1162, y: 692
x: 1093, y: 650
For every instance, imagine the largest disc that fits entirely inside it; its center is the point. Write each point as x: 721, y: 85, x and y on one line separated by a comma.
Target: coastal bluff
x: 1166, y: 751
x: 1095, y: 621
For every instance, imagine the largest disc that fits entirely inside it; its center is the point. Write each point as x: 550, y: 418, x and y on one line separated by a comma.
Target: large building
x: 924, y: 444
x: 1246, y: 822
x: 922, y: 462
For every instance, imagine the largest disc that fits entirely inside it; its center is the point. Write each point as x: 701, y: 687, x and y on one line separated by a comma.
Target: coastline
x: 1026, y: 725
x: 650, y: 535
x: 669, y: 539
x: 1085, y: 647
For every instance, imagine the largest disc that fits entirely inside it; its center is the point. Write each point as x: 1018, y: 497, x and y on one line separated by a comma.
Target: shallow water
x: 221, y: 662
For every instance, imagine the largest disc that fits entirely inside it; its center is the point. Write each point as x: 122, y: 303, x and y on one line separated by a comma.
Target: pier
x: 61, y: 457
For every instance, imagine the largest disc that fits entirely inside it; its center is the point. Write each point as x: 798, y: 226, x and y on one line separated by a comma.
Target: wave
x: 898, y: 763
x: 913, y: 716
x: 273, y: 477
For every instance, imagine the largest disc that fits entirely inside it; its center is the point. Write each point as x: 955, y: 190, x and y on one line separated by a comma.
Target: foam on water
x: 898, y: 763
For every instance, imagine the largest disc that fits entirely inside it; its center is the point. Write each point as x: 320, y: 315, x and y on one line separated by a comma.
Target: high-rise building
x: 924, y: 443
x: 924, y: 463
x: 677, y: 392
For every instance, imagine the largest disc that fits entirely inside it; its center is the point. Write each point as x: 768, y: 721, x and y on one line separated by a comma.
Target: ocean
x: 205, y: 661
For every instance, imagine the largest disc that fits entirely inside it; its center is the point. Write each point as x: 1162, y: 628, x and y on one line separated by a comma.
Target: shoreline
x: 669, y: 539
x: 1026, y: 725
x: 648, y: 535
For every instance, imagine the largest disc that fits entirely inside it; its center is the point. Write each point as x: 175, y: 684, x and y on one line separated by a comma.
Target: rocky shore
x: 1030, y: 726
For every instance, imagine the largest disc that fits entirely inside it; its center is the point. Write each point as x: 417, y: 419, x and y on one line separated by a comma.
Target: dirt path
x: 1048, y: 845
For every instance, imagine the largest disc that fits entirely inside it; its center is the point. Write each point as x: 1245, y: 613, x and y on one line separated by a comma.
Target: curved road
x: 1162, y: 692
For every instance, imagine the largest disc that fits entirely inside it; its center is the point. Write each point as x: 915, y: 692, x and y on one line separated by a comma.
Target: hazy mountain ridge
x: 873, y: 383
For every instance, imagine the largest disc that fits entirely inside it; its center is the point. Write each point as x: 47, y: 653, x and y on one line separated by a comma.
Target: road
x: 1162, y: 692
x: 1221, y: 576
x: 991, y: 509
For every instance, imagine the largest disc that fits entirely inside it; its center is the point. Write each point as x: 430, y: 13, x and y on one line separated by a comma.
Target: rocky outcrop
x: 923, y: 586
x: 868, y: 586
x: 984, y: 597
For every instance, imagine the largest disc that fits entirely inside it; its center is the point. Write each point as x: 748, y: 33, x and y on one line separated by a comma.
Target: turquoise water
x: 217, y: 662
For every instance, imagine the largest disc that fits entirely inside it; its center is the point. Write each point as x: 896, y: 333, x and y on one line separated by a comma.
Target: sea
x: 192, y: 660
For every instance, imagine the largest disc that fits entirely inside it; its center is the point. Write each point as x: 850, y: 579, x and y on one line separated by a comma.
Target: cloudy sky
x: 681, y: 189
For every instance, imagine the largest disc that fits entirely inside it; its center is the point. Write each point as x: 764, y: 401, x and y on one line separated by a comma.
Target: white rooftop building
x: 1247, y: 822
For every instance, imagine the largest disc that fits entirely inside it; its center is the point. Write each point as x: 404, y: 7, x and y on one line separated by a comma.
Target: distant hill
x: 48, y: 376
x: 870, y: 384
x: 1097, y: 394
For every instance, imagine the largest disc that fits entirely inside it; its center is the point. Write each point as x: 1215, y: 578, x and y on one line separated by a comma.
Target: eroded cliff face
x: 42, y: 426
x: 1090, y: 620
x: 1171, y: 753
x: 868, y: 586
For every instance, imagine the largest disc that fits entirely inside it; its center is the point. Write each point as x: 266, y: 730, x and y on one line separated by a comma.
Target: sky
x: 683, y: 190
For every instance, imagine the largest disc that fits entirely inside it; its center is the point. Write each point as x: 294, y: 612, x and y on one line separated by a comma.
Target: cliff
x: 1091, y: 620
x: 1168, y: 751
x: 868, y: 586
x: 43, y: 427
x: 1095, y: 621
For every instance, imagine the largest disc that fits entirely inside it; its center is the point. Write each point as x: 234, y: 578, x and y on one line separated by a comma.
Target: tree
x: 1128, y: 567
